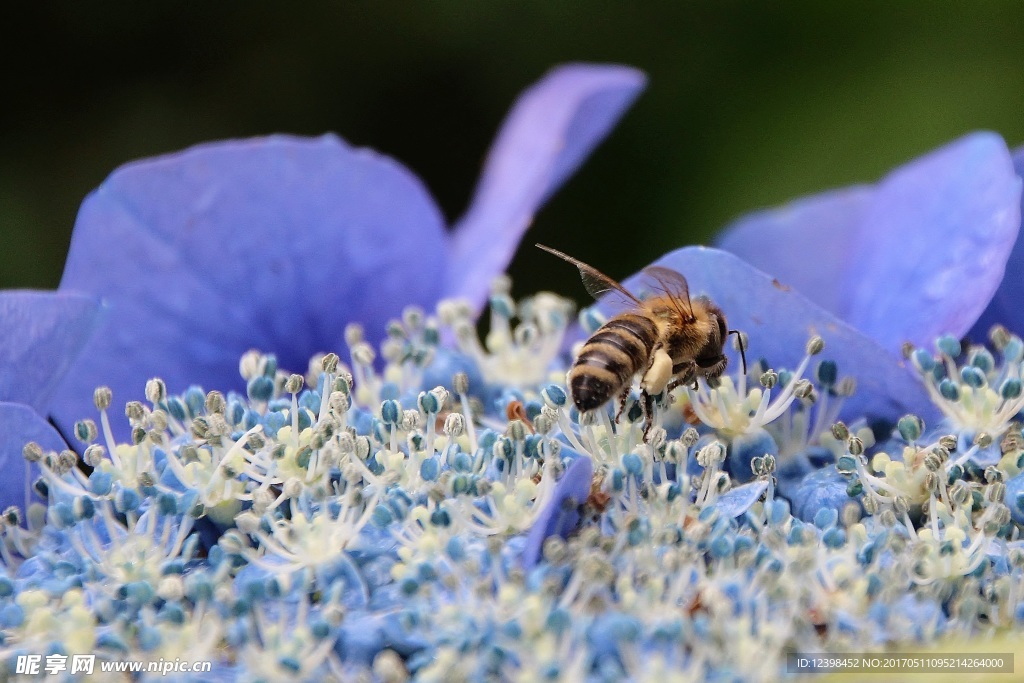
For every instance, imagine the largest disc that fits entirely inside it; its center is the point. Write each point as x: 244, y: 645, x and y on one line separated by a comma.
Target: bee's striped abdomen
x: 607, y: 362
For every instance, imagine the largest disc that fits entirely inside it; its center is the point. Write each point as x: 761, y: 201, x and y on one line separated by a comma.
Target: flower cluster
x: 353, y: 522
x: 426, y: 505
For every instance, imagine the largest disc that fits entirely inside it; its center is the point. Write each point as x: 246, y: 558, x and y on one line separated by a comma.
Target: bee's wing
x: 673, y: 285
x: 596, y: 283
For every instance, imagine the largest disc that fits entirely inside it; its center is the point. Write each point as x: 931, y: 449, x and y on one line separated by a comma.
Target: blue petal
x: 1015, y: 498
x: 20, y: 424
x: 41, y: 334
x: 744, y: 448
x: 805, y: 243
x: 823, y: 489
x: 547, y: 135
x: 735, y: 502
x: 271, y: 243
x: 779, y: 320
x: 573, y: 486
x: 1005, y: 307
x: 934, y: 243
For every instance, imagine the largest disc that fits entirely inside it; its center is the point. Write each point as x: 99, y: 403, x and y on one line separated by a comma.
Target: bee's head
x: 716, y: 347
x: 711, y: 358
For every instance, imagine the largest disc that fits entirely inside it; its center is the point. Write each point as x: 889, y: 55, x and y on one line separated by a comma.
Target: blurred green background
x: 749, y: 104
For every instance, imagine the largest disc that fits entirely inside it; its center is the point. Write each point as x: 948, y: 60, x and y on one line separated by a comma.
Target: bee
x: 667, y: 339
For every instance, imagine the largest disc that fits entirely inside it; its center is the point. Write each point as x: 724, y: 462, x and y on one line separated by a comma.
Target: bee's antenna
x: 739, y: 344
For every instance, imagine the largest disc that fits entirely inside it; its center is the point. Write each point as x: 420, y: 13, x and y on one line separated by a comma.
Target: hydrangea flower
x: 373, y: 528
x: 41, y: 335
x: 279, y: 242
x: 920, y: 254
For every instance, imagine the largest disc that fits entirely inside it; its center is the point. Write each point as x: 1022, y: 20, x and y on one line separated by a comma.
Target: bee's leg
x: 622, y: 402
x: 647, y: 401
x: 680, y: 381
x: 683, y: 373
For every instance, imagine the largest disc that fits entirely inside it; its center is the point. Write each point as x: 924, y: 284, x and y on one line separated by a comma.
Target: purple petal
x: 551, y: 129
x: 572, y: 488
x: 736, y: 501
x: 271, y: 243
x: 804, y: 243
x: 934, y: 243
x: 779, y: 320
x: 20, y: 424
x: 1005, y: 307
x: 41, y: 334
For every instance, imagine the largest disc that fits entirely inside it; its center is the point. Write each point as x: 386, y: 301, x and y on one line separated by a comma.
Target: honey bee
x: 668, y: 339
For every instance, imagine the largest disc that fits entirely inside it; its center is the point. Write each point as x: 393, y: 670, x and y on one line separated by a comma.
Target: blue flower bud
x: 743, y: 544
x: 922, y: 360
x: 777, y: 511
x: 12, y: 615
x: 461, y: 484
x: 100, y: 482
x: 430, y: 469
x: 382, y: 516
x: 982, y: 359
x: 167, y: 503
x: 512, y: 629
x: 948, y: 345
x: 910, y: 427
x: 503, y: 448
x: 390, y: 412
x: 558, y: 621
x: 553, y: 395
x: 721, y: 547
x: 290, y: 663
x: 502, y: 305
x: 846, y: 464
x: 199, y: 589
x: 825, y: 518
x: 834, y: 537
x: 618, y: 480
x: 1010, y: 388
x: 455, y: 548
x: 462, y: 462
x: 139, y: 592
x: 195, y: 400
x: 949, y: 390
x: 320, y: 629
x: 428, y: 403
x: 126, y: 500
x: 84, y: 508
x: 235, y: 412
x: 972, y: 376
x: 486, y: 439
x: 260, y: 388
x: 827, y: 373
x: 171, y: 613
x: 440, y: 517
x: 633, y: 464
x: 176, y: 409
